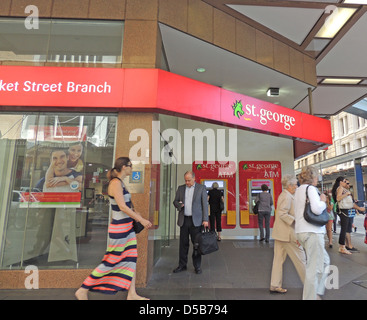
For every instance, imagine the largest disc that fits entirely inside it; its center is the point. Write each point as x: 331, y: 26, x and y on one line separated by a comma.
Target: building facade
x: 90, y: 78
x: 349, y: 136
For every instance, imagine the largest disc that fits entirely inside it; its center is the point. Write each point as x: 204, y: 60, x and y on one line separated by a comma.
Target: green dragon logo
x: 237, y: 109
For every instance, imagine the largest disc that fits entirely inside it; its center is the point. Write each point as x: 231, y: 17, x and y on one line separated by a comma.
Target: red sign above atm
x: 156, y: 91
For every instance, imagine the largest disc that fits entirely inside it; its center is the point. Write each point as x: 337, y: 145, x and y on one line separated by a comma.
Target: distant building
x: 349, y: 141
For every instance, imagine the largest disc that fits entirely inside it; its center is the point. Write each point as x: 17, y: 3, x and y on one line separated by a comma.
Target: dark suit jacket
x: 199, y: 205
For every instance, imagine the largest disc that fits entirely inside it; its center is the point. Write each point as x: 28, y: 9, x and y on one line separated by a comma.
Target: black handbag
x: 221, y: 205
x: 138, y: 227
x: 255, y: 210
x: 206, y: 242
x: 315, y: 219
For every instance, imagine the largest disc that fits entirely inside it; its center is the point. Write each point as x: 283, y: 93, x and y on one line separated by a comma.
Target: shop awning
x: 155, y: 90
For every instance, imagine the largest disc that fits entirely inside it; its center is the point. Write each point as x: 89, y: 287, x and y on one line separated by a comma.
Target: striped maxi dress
x: 119, y: 263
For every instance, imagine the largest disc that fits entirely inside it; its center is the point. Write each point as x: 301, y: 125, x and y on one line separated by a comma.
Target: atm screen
x: 256, y: 191
x: 254, y: 194
x: 222, y: 186
x: 208, y: 183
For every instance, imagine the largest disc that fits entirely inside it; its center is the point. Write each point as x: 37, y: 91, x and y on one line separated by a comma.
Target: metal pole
x: 310, y: 100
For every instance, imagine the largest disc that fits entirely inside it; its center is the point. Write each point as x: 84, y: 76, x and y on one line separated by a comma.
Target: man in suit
x: 192, y: 203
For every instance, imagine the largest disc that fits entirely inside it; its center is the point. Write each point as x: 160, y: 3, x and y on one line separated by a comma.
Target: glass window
x: 341, y: 127
x: 54, y: 210
x: 58, y: 40
x: 20, y: 44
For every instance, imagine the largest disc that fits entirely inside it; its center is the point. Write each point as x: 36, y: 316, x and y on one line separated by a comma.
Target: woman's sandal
x: 277, y: 290
x: 344, y: 251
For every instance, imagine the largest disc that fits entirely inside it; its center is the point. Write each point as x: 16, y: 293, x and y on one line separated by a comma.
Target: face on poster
x: 59, y: 167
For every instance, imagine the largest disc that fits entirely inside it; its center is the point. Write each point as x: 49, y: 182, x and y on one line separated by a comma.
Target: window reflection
x: 62, y: 41
x: 53, y: 205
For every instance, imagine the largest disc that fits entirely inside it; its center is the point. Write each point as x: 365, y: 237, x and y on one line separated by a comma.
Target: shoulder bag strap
x: 307, y: 199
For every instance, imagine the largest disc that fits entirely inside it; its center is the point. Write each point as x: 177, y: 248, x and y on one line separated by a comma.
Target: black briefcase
x: 206, y: 242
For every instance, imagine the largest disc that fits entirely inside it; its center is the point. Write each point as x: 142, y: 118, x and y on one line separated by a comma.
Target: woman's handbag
x: 221, y: 205
x: 255, y: 210
x: 138, y: 227
x: 346, y: 203
x: 206, y: 241
x: 315, y: 219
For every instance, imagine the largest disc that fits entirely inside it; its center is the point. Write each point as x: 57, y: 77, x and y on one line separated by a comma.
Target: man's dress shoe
x: 179, y: 269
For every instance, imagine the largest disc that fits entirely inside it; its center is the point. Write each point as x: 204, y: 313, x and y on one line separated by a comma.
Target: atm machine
x: 254, y: 188
x: 224, y: 174
x: 222, y: 188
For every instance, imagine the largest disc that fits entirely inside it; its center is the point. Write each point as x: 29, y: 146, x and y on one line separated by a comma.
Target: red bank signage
x: 156, y: 91
x: 60, y: 87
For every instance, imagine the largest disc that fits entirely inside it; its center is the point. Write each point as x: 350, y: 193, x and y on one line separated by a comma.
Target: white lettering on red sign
x: 9, y: 86
x: 29, y: 86
x: 32, y: 86
x: 88, y: 88
x: 265, y: 115
x: 268, y: 115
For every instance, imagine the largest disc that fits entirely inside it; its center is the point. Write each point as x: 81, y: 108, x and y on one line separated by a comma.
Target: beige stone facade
x: 349, y: 134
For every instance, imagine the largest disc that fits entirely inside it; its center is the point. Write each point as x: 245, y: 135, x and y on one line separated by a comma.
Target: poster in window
x: 58, y: 182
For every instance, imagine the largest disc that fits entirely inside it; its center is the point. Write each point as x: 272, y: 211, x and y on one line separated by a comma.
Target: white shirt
x: 317, y: 207
x: 189, y: 194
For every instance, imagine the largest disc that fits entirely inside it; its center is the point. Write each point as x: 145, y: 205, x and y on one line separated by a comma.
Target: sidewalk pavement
x: 240, y: 270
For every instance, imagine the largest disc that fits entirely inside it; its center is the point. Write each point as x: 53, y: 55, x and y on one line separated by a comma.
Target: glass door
x: 167, y: 216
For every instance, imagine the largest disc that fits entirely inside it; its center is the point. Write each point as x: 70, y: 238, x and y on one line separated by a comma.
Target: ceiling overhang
x: 155, y: 90
x: 296, y: 23
x: 227, y: 70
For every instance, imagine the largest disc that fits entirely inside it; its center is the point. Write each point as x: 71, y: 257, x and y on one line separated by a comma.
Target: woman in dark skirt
x: 117, y: 270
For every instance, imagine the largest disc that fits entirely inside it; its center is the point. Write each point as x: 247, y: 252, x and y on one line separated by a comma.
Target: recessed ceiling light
x: 200, y: 70
x: 341, y: 81
x: 356, y: 1
x: 273, y: 92
x: 335, y: 22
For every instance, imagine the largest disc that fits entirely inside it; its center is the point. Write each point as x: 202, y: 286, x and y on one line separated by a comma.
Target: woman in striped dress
x: 117, y: 270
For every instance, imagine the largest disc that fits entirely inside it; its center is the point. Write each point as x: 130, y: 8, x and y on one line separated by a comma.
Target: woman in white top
x: 310, y: 236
